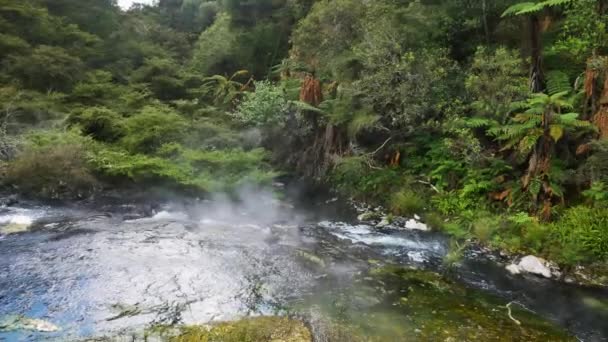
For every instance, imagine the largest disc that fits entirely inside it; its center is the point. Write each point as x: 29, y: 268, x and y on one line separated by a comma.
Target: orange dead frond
x: 311, y: 92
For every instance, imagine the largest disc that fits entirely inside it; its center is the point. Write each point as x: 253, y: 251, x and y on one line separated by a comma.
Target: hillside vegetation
x: 488, y: 118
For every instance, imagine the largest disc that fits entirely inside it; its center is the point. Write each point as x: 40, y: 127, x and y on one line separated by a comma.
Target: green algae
x: 399, y: 304
x: 257, y: 329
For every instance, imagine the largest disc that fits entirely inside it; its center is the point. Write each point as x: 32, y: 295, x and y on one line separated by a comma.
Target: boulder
x: 513, y: 269
x: 368, y: 216
x: 416, y: 225
x: 383, y: 223
x: 532, y: 265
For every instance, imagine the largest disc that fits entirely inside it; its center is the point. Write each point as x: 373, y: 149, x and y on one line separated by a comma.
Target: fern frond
x: 555, y: 3
x: 557, y: 82
x: 518, y: 8
x: 479, y: 122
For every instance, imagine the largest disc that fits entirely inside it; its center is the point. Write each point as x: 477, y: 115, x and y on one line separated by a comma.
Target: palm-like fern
x: 528, y: 8
x: 223, y: 90
x: 532, y: 10
x: 542, y: 117
x: 534, y: 132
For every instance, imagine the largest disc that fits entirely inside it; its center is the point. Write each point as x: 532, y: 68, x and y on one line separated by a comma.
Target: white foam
x: 416, y: 256
x: 167, y: 215
x: 16, y: 219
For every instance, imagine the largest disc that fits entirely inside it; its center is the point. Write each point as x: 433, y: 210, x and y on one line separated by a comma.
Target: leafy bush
x: 53, y: 165
x: 597, y: 194
x: 100, y: 123
x: 152, y: 127
x: 207, y: 171
x: 266, y: 106
x: 353, y: 176
x: 215, y: 45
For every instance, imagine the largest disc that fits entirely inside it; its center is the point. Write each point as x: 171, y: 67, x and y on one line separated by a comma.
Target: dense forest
x: 489, y: 118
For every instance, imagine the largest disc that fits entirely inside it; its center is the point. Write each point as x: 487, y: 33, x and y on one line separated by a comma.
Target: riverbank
x: 515, y: 260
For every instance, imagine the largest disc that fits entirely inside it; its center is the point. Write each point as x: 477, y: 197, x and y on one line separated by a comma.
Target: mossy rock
x: 258, y: 329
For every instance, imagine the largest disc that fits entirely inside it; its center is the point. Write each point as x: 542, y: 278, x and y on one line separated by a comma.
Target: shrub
x: 266, y: 106
x: 152, y: 127
x: 406, y: 202
x: 100, y: 123
x: 583, y: 234
x: 53, y: 165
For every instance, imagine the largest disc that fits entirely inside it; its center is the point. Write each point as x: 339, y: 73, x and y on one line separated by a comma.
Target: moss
x: 310, y: 259
x: 442, y: 310
x: 259, y: 329
x: 418, y: 305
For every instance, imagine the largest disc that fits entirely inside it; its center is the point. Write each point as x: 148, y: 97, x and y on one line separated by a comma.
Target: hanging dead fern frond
x: 600, y: 119
x: 590, y: 76
x: 311, y: 92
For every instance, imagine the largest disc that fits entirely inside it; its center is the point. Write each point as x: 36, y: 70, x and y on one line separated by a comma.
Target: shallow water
x: 107, y: 271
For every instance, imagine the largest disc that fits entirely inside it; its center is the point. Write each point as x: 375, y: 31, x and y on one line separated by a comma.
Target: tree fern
x: 527, y: 8
x: 557, y: 82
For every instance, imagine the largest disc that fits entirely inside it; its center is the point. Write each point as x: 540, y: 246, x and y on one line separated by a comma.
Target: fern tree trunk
x: 536, y: 71
x: 536, y: 180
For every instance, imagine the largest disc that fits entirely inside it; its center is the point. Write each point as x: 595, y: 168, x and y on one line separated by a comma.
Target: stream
x: 107, y: 270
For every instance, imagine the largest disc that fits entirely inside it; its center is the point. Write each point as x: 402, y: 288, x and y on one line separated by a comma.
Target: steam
x: 248, y: 207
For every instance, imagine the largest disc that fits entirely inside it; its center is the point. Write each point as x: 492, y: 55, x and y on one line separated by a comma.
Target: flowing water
x: 116, y: 270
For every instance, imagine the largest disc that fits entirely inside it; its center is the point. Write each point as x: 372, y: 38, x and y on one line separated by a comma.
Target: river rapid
x: 114, y: 270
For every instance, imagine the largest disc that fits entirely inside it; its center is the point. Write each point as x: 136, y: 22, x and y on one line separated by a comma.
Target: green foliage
x: 583, y: 234
x: 558, y: 82
x: 496, y: 79
x: 597, y: 194
x: 47, y: 68
x: 101, y: 123
x: 222, y: 91
x: 163, y: 77
x: 152, y: 127
x: 406, y: 203
x: 53, y: 165
x: 541, y: 119
x: 354, y: 176
x: 215, y: 46
x: 583, y: 31
x: 528, y: 8
x: 484, y: 227
x: 407, y: 87
x: 266, y: 106
x: 323, y: 40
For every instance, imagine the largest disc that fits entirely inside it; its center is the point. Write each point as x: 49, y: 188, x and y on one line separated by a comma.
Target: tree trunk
x: 536, y: 71
x: 484, y: 9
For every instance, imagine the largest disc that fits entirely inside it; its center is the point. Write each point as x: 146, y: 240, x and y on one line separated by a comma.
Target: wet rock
x: 368, y: 216
x: 513, y: 269
x: 416, y: 225
x: 383, y: 223
x: 9, y: 201
x: 15, y: 224
x: 12, y: 323
x: 533, y: 265
x: 310, y: 259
